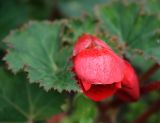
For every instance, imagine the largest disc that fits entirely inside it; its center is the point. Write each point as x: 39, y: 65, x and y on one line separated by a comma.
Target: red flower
x: 56, y: 118
x: 98, y: 69
x: 130, y: 85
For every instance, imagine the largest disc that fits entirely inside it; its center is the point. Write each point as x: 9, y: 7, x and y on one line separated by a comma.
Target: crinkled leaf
x: 36, y: 48
x: 87, y: 24
x: 44, y: 50
x: 133, y: 26
x: 21, y: 102
x: 76, y: 27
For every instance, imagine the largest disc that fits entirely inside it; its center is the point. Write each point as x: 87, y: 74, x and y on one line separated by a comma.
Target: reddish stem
x: 150, y: 87
x: 150, y: 72
x: 104, y: 107
x: 112, y: 104
x: 117, y: 102
x: 152, y: 109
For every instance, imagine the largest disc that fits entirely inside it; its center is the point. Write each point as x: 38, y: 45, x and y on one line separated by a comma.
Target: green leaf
x: 44, y: 50
x: 135, y: 109
x: 144, y: 103
x: 76, y: 27
x: 85, y: 111
x: 21, y: 102
x: 152, y: 6
x: 75, y: 8
x: 36, y: 48
x: 21, y: 11
x: 133, y: 26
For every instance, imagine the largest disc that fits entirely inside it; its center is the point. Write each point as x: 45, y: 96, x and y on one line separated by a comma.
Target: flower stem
x: 150, y: 87
x: 108, y: 111
x: 152, y: 109
x: 149, y: 72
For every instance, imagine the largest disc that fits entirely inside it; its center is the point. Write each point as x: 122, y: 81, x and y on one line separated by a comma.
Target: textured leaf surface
x: 76, y: 27
x: 132, y: 25
x: 36, y: 48
x: 23, y: 102
x: 84, y: 111
x: 44, y: 50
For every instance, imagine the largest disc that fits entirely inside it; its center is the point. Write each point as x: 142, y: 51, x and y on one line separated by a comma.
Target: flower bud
x: 130, y: 85
x: 99, y: 71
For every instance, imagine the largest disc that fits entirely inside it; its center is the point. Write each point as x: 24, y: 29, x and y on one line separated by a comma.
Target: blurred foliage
x: 152, y: 6
x: 24, y: 102
x: 75, y: 8
x: 130, y: 27
x: 14, y: 13
x: 132, y: 111
x: 85, y: 111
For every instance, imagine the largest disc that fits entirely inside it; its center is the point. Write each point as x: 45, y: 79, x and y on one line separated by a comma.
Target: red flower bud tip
x: 88, y: 41
x: 130, y: 85
x: 98, y: 69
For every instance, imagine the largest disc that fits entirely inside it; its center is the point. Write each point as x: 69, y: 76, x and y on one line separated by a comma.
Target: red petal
x: 101, y: 43
x: 118, y: 84
x: 82, y: 43
x: 130, y: 83
x: 87, y: 41
x: 98, y: 66
x: 86, y: 85
x: 99, y: 92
